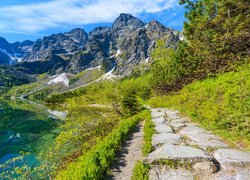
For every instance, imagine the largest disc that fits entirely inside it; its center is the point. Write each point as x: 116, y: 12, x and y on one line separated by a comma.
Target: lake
x: 26, y: 127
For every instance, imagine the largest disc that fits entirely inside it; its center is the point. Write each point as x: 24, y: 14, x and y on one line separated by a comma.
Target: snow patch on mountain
x: 109, y: 75
x: 62, y: 78
x: 118, y: 53
x: 97, y: 67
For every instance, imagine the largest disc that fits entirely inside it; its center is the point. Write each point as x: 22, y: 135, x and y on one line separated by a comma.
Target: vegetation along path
x: 127, y: 157
x: 183, y: 150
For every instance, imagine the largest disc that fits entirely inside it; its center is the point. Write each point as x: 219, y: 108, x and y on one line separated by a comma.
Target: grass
x: 220, y: 104
x: 141, y: 171
x: 95, y: 163
x: 148, y: 133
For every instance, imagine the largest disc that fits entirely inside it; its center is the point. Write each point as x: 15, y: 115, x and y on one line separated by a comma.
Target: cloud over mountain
x: 35, y: 17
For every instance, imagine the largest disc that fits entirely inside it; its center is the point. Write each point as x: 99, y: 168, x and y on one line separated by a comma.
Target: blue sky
x: 33, y: 19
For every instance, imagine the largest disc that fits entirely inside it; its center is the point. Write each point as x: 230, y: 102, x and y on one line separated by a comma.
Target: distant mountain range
x: 123, y: 46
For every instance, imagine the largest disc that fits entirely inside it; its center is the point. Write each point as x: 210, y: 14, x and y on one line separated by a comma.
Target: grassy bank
x: 220, y: 104
x: 97, y: 161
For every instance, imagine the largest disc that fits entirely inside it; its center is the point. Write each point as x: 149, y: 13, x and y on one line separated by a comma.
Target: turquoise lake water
x: 26, y: 127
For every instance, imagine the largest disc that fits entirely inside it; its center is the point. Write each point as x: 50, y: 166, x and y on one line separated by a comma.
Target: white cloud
x: 32, y: 18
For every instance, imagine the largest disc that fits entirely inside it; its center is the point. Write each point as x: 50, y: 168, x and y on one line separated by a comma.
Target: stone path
x: 184, y: 151
x: 130, y: 153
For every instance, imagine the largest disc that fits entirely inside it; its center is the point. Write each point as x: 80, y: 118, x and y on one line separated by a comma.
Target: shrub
x: 95, y: 163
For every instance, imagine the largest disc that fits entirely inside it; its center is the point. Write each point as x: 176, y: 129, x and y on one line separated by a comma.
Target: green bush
x: 130, y: 104
x: 94, y: 164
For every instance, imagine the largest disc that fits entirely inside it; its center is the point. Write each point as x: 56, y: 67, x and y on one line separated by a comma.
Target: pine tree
x: 217, y: 33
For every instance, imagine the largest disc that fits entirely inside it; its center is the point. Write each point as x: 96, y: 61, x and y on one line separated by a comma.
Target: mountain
x: 13, y: 52
x: 123, y: 46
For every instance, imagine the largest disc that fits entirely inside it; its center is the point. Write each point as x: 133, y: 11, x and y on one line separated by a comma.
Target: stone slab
x: 177, y: 126
x: 181, y: 120
x: 231, y: 159
x: 159, y: 120
x: 157, y: 114
x: 163, y: 128
x: 170, y: 174
x: 206, y: 140
x: 192, y: 129
x: 173, y: 114
x: 177, y: 152
x: 165, y: 138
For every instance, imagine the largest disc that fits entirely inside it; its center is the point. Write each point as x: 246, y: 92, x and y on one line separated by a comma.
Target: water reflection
x: 27, y: 127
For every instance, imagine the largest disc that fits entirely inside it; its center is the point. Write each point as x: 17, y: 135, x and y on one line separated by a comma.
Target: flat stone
x: 177, y: 152
x: 231, y: 159
x: 243, y: 174
x: 205, y: 140
x: 205, y: 168
x: 177, y: 126
x: 172, y: 114
x: 192, y: 129
x: 181, y: 120
x: 157, y: 114
x: 201, y: 137
x: 170, y: 174
x: 159, y: 120
x: 163, y: 128
x: 165, y: 138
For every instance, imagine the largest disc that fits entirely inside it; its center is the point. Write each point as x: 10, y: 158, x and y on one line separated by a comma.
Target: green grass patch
x: 141, y: 171
x: 148, y: 133
x: 95, y: 163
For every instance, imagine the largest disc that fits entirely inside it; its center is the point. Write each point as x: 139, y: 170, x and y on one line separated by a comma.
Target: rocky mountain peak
x: 155, y: 30
x: 99, y: 30
x: 127, y: 21
x: 4, y: 45
x: 155, y: 25
x: 26, y: 43
x: 79, y: 35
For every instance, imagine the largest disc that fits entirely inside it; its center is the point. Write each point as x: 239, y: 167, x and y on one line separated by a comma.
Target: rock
x: 163, y: 128
x: 165, y: 138
x: 157, y: 114
x: 201, y: 137
x: 181, y: 120
x: 205, y: 140
x: 206, y: 168
x: 159, y: 120
x: 177, y: 126
x: 177, y: 152
x: 232, y: 159
x: 157, y: 173
x: 171, y: 114
x: 243, y: 174
x: 192, y: 129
